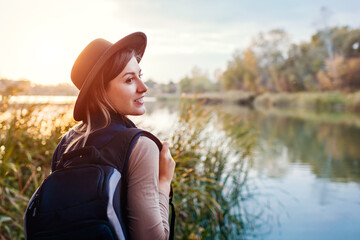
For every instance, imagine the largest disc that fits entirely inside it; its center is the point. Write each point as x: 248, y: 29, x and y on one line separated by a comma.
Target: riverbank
x: 318, y: 101
x: 233, y: 97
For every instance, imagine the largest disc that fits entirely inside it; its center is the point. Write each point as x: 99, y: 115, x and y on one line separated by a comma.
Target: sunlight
x: 49, y: 50
x: 49, y: 56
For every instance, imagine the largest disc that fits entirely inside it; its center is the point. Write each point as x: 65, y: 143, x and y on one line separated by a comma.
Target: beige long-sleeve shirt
x: 148, y: 207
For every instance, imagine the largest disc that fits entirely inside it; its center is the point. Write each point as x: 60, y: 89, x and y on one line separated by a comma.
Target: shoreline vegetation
x: 316, y: 101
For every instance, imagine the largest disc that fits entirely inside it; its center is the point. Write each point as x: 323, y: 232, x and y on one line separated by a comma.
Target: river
x: 306, y: 170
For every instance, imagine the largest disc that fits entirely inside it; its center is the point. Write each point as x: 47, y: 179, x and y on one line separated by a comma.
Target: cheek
x: 119, y: 96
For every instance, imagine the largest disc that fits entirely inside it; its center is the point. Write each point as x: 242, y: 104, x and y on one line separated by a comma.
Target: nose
x: 142, y: 88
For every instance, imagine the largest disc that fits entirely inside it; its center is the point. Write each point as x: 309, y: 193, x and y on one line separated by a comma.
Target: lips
x: 140, y: 100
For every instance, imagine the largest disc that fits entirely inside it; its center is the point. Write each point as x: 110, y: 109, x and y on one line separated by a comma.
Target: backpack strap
x: 121, y: 145
x: 134, y: 134
x: 105, y: 147
x: 172, y: 221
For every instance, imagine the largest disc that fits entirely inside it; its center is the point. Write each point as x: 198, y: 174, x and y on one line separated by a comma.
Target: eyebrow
x: 132, y: 73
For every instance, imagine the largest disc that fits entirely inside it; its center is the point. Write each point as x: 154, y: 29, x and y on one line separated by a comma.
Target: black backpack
x: 85, y: 197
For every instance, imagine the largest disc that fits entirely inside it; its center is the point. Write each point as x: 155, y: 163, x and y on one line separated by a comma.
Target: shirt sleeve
x: 148, y: 208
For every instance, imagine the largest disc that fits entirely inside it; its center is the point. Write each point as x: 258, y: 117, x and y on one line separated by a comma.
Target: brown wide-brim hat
x: 93, y: 58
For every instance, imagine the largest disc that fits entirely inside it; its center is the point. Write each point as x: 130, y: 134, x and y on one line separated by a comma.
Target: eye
x: 129, y: 80
x: 140, y: 75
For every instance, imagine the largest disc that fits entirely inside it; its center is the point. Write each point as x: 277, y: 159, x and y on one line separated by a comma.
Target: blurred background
x: 260, y: 100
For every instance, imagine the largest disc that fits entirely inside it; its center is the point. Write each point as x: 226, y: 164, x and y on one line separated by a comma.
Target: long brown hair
x: 97, y: 100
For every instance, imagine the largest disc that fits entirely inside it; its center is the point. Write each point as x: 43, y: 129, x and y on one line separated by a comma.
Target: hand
x: 166, y: 168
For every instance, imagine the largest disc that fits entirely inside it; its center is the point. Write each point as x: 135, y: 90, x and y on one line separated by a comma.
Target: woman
x: 109, y: 78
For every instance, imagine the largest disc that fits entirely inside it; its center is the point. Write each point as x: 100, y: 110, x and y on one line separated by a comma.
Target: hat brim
x: 136, y: 41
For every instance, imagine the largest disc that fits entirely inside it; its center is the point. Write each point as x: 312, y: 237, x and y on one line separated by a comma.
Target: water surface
x: 306, y: 170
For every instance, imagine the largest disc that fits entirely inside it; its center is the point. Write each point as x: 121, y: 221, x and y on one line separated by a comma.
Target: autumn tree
x: 329, y: 61
x: 234, y: 74
x: 197, y: 82
x: 270, y: 48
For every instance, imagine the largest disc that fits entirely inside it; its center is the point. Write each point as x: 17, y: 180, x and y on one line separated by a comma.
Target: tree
x: 341, y: 70
x: 328, y: 61
x: 302, y: 65
x: 150, y: 83
x: 170, y: 87
x: 197, y: 82
x: 251, y: 75
x: 233, y: 76
x: 270, y: 48
x: 185, y: 85
x: 351, y: 44
x: 340, y: 73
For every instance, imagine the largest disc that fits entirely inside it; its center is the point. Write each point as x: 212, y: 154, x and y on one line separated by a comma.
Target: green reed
x: 210, y: 177
x: 211, y: 152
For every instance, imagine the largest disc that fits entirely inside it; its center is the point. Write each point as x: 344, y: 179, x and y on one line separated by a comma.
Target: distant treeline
x: 25, y: 87
x: 329, y: 61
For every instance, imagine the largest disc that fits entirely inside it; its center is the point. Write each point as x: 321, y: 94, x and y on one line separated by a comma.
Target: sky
x: 40, y: 39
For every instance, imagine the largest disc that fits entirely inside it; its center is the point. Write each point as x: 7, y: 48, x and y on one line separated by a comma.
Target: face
x: 126, y: 92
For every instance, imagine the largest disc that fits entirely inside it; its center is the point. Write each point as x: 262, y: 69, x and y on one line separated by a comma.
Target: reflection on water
x: 307, y: 168
x: 330, y: 150
x: 160, y: 118
x: 308, y: 171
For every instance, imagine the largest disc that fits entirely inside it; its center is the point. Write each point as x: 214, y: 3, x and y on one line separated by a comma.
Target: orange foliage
x: 340, y: 73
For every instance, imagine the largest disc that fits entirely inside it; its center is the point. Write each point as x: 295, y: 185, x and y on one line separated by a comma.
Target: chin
x: 139, y: 112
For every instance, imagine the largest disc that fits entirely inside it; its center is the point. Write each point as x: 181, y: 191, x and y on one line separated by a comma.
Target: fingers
x: 167, y: 163
x: 165, y: 147
x: 166, y: 168
x: 165, y: 152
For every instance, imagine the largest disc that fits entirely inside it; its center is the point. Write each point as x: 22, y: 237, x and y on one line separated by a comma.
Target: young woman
x: 109, y: 78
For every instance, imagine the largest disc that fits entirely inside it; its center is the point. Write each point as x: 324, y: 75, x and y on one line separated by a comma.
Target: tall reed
x: 28, y: 137
x: 212, y: 158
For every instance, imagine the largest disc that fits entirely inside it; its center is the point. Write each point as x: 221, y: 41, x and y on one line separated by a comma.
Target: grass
x: 321, y: 101
x: 240, y: 97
